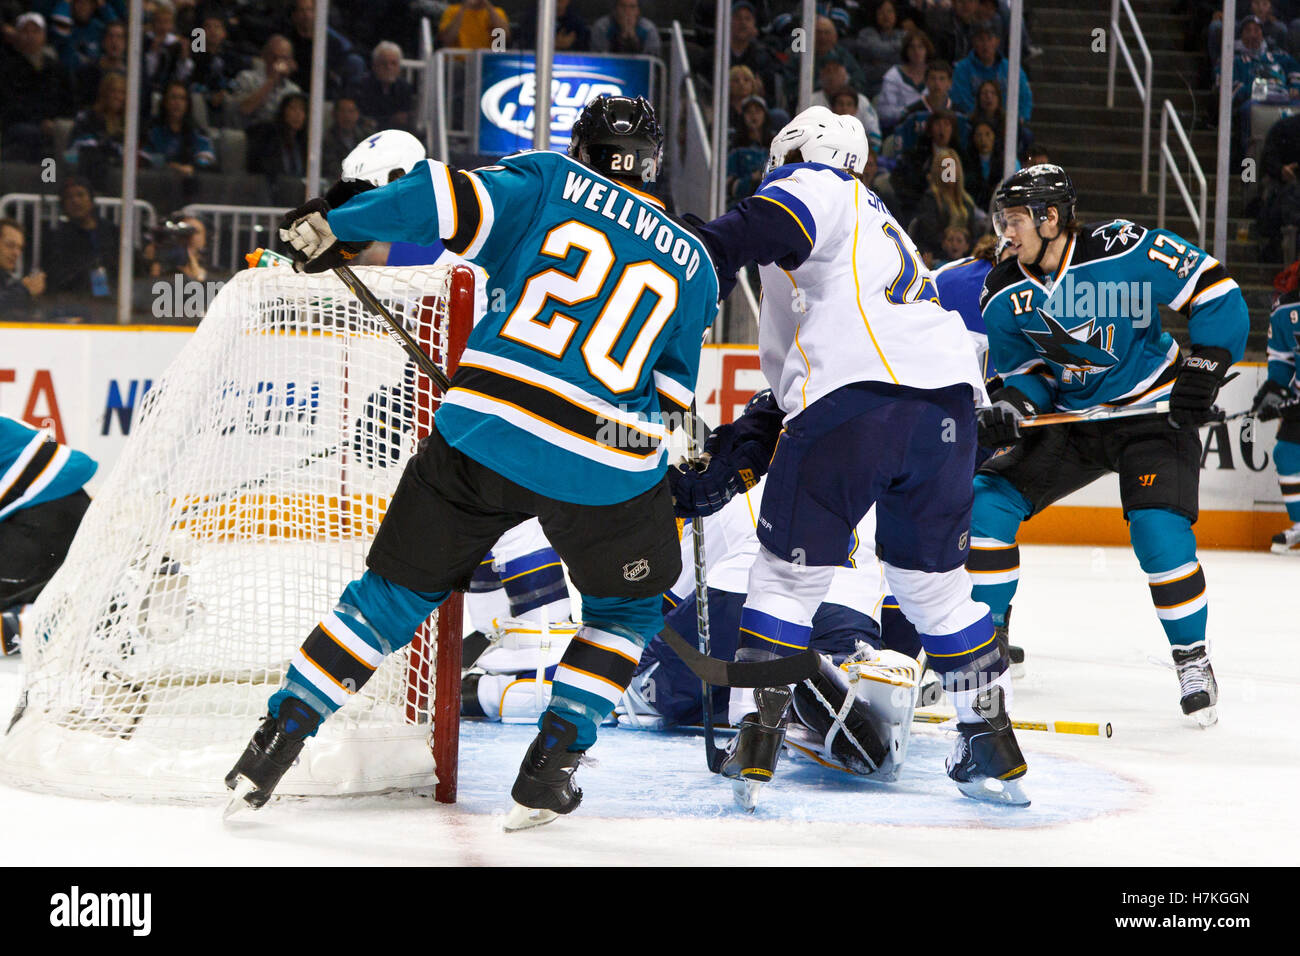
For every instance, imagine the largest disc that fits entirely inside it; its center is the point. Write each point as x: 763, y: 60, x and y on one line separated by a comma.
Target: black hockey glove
x: 998, y: 425
x: 729, y: 468
x: 1265, y: 404
x: 1197, y: 384
x: 306, y: 231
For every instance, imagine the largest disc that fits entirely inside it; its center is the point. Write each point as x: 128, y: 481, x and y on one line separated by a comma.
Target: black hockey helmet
x: 1037, y: 188
x: 619, y: 137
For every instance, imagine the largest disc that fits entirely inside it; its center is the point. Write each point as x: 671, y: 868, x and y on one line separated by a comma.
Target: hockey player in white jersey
x: 879, y: 385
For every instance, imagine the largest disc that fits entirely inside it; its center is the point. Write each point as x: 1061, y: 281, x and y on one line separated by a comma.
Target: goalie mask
x: 619, y: 137
x: 819, y: 136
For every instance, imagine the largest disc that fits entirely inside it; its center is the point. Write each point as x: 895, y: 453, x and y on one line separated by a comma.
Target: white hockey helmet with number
x: 819, y: 136
x: 379, y: 159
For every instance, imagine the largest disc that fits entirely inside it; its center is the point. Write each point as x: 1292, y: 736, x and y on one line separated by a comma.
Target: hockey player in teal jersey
x: 1279, y: 397
x: 557, y: 411
x: 1073, y: 323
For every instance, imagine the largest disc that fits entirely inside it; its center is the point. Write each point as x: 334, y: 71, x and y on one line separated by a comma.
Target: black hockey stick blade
x: 475, y: 644
x: 784, y: 670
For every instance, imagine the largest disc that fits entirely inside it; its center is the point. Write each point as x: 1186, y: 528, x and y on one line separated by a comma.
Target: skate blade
x: 521, y: 817
x: 1018, y: 671
x: 746, y: 793
x: 1206, y: 716
x: 238, y: 798
x: 989, y: 790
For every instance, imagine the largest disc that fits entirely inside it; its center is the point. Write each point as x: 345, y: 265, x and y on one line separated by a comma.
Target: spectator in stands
x: 746, y: 50
x: 1036, y: 156
x: 18, y: 295
x: 80, y: 44
x: 904, y: 83
x: 216, y: 68
x: 278, y: 150
x: 347, y: 130
x: 625, y: 31
x: 572, y: 34
x: 956, y: 244
x: 96, y: 142
x: 835, y: 81
x: 1277, y: 74
x: 166, y: 56
x: 827, y: 48
x: 938, y: 82
x: 382, y: 95
x: 81, y: 251
x: 259, y: 89
x: 747, y: 159
x: 178, y: 246
x: 944, y: 205
x: 38, y: 88
x: 112, y: 59
x: 1274, y: 30
x: 741, y: 85
x: 343, y: 67
x: 988, y: 109
x: 175, y: 142
x: 953, y: 28
x: 880, y: 183
x: 984, y: 63
x: 472, y: 24
x: 983, y: 162
x: 880, y: 45
x: 912, y: 172
x: 1280, y: 163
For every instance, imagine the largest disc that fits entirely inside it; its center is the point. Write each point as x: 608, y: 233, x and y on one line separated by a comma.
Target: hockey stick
x: 1099, y: 413
x: 1048, y: 726
x: 395, y: 330
x: 712, y: 755
x: 1278, y: 409
x: 783, y: 670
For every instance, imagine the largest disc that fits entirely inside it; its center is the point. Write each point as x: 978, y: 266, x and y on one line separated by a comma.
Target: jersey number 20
x: 554, y: 337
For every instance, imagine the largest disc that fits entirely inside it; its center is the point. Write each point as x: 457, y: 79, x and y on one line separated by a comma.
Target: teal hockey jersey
x: 598, y: 302
x: 1090, y: 334
x: 1283, y: 344
x: 34, y: 468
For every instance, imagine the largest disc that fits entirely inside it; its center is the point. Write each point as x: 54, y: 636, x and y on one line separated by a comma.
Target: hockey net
x: 243, y: 503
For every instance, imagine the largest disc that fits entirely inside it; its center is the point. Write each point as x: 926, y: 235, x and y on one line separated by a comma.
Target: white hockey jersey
x: 731, y: 544
x: 861, y: 307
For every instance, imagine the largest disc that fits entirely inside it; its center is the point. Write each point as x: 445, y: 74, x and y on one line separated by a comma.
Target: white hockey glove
x: 315, y: 248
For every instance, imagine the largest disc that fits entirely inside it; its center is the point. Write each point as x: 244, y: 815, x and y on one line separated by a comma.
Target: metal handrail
x: 1144, y: 89
x: 235, y: 230
x: 44, y: 211
x: 1167, y: 162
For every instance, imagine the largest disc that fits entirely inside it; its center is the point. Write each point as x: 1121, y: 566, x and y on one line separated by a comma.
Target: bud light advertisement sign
x: 508, y: 101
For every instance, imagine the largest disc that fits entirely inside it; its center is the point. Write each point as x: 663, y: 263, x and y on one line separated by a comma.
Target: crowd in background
x: 224, y: 107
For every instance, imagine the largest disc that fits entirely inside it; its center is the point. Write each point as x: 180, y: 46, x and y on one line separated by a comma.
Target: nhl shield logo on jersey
x: 636, y: 570
x: 1118, y: 230
x: 1078, y: 351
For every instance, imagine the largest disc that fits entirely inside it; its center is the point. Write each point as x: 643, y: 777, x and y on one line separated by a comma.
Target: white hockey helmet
x: 379, y: 159
x: 820, y: 136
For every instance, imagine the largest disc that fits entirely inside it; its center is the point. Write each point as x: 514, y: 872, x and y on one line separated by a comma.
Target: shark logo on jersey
x: 1188, y: 264
x: 1119, y: 230
x: 1078, y: 351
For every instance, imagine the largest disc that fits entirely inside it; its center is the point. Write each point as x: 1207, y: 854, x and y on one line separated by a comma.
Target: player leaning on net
x: 878, y: 384
x: 1072, y: 322
x: 522, y: 566
x: 554, y: 413
x: 1279, y: 397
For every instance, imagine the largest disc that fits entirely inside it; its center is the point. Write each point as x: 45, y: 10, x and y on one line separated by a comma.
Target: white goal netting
x: 243, y: 503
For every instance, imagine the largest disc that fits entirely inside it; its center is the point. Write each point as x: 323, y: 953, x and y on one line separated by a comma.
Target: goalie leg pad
x: 843, y: 728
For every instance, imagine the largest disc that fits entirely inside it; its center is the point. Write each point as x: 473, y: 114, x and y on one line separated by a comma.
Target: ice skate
x: 10, y: 632
x: 274, y: 748
x: 1288, y: 541
x: 544, y: 788
x: 986, y: 762
x: 1200, y: 691
x: 752, y: 757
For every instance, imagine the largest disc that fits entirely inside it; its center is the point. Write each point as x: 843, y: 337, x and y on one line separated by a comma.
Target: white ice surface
x: 1161, y: 792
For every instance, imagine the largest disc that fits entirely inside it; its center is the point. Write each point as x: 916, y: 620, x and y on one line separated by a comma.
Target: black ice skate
x: 1200, y: 692
x: 1288, y: 541
x: 986, y: 762
x: 10, y: 633
x: 752, y: 757
x: 1015, y: 654
x: 272, y: 751
x: 544, y: 788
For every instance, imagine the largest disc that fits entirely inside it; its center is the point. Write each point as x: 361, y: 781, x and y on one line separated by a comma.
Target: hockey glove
x: 307, y: 232
x: 729, y: 469
x: 1267, y: 399
x: 1196, y: 386
x: 999, y: 424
